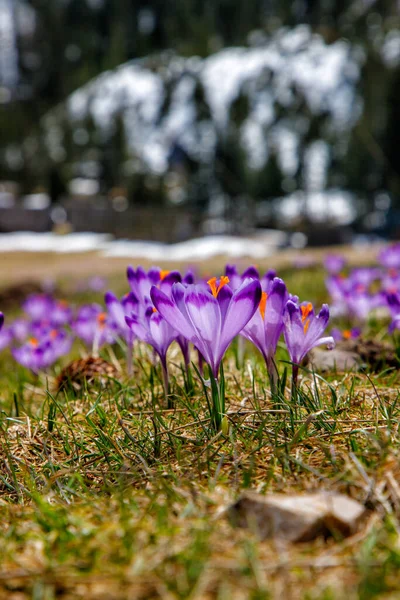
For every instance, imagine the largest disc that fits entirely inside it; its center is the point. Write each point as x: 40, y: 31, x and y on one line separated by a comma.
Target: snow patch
x: 192, y: 250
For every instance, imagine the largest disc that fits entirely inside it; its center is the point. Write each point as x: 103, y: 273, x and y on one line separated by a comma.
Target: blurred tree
x: 62, y: 44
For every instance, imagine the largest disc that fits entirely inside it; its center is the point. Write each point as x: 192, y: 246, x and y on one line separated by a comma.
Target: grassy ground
x: 17, y: 267
x: 106, y: 494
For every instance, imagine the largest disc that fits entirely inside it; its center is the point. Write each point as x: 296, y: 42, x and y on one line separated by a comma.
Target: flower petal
x: 274, y: 309
x: 317, y: 326
x: 204, y: 313
x: 170, y: 311
x: 224, y: 298
x: 161, y: 333
x: 168, y: 281
x: 138, y: 328
x: 242, y: 307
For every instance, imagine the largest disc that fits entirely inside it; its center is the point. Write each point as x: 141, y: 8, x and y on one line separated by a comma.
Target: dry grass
x: 19, y: 266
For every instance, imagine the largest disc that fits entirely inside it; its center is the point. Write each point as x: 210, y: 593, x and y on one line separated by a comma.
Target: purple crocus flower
x: 265, y: 327
x: 345, y: 334
x: 167, y: 280
x: 141, y: 282
x: 40, y: 353
x: 210, y: 320
x: 96, y: 283
x: 360, y: 301
x: 390, y: 281
x: 156, y: 331
x: 189, y: 277
x: 164, y: 281
x: 32, y: 355
x: 364, y: 276
x: 38, y: 306
x: 267, y: 279
x: 334, y: 263
x: 393, y: 303
x: 235, y: 279
x: 93, y: 326
x: 61, y: 342
x: 337, y: 287
x: 6, y: 337
x: 390, y: 257
x: 20, y: 329
x: 302, y: 261
x: 118, y: 310
x: 61, y: 313
x: 303, y: 330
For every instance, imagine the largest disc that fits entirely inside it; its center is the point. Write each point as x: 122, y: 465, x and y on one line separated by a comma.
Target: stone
x: 299, y: 517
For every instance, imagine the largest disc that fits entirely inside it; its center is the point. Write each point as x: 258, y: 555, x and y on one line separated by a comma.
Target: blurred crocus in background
x: 334, y: 263
x: 118, y: 310
x: 94, y: 327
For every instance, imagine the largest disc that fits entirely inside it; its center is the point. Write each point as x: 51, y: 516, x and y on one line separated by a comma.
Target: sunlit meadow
x: 136, y: 408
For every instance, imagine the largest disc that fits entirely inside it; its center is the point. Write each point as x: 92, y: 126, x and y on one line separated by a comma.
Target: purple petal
x: 154, y: 275
x: 138, y: 328
x: 224, y: 298
x: 161, y: 333
x: 274, y: 309
x: 231, y: 271
x: 251, y: 273
x: 131, y: 275
x: 292, y: 310
x: 327, y: 340
x: 109, y: 298
x: 205, y: 316
x: 168, y: 281
x: 188, y: 277
x: 170, y: 311
x: 242, y: 307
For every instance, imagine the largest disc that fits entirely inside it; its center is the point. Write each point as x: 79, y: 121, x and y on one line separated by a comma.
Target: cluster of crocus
x: 360, y: 292
x: 48, y: 327
x: 40, y: 337
x: 163, y: 307
x: 210, y: 314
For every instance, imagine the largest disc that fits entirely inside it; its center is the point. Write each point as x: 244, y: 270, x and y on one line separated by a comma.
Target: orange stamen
x: 163, y: 274
x: 53, y: 333
x: 213, y: 284
x: 347, y: 334
x: 154, y: 309
x: 34, y: 342
x: 101, y: 319
x: 263, y: 304
x: 305, y: 311
x: 306, y: 325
